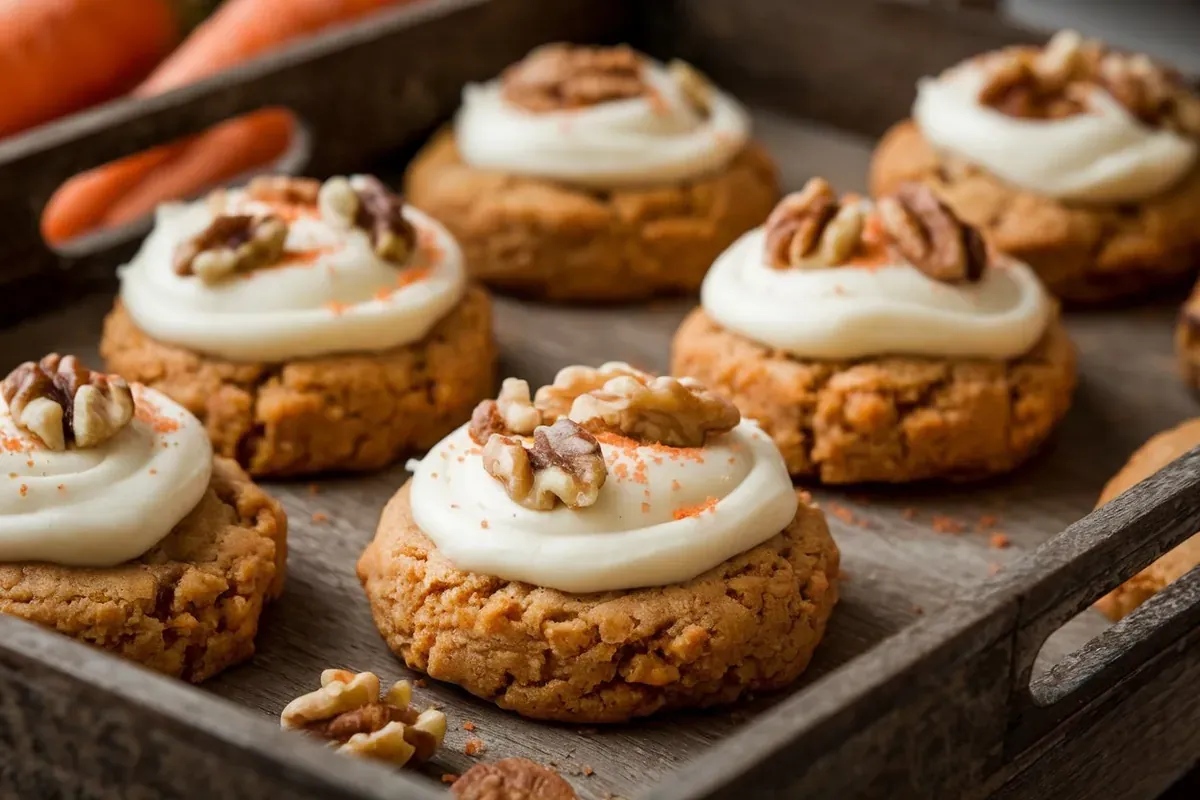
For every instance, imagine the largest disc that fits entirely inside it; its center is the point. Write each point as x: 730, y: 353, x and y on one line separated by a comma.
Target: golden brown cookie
x: 1187, y: 340
x: 1085, y: 254
x: 339, y: 412
x: 542, y: 239
x: 751, y: 623
x: 887, y: 419
x: 190, y: 606
x: 1149, y: 459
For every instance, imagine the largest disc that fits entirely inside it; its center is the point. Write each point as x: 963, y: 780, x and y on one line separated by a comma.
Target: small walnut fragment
x: 677, y: 412
x: 565, y: 464
x: 813, y: 228
x: 363, y: 202
x: 60, y: 401
x: 232, y: 243
x: 1055, y: 82
x: 284, y: 190
x: 565, y: 76
x: 512, y: 412
x: 694, y: 85
x: 512, y: 779
x: 554, y: 400
x: 928, y: 235
x: 348, y: 712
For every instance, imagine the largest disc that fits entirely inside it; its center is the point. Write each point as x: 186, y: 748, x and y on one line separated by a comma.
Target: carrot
x: 58, y: 56
x: 237, y: 31
x: 212, y: 158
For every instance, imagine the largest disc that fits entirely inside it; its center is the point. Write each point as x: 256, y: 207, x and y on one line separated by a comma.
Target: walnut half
x: 61, y: 401
x: 813, y: 228
x: 928, y: 235
x: 564, y: 464
x: 565, y: 76
x: 512, y: 412
x: 348, y: 712
x: 677, y: 412
x: 365, y: 203
x: 232, y: 243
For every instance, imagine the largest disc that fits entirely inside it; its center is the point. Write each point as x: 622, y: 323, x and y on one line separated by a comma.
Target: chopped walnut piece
x: 61, y: 401
x: 347, y: 711
x: 675, y: 412
x: 232, y: 243
x: 1055, y: 81
x: 283, y: 189
x: 695, y: 86
x: 563, y: 76
x: 812, y: 228
x: 565, y: 464
x: 554, y: 400
x: 512, y: 779
x: 512, y: 412
x: 365, y: 203
x: 930, y: 237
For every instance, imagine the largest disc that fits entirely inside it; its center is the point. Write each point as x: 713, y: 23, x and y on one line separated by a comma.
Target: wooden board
x: 899, y: 570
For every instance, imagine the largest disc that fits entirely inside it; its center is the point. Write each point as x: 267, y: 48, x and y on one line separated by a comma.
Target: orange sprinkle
x: 336, y: 308
x: 24, y: 490
x: 298, y: 257
x: 999, y: 541
x: 62, y: 487
x: 621, y: 471
x: 987, y: 521
x: 645, y: 508
x: 319, y: 517
x: 676, y: 486
x: 694, y: 511
x: 12, y: 444
x: 153, y: 471
x: 29, y: 463
x: 147, y: 412
x: 944, y: 524
x: 468, y: 726
x: 483, y: 524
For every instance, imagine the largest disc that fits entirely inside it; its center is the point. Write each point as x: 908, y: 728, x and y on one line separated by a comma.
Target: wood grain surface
x: 908, y: 551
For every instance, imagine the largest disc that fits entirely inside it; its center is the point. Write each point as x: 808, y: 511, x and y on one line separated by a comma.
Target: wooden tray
x: 933, y: 680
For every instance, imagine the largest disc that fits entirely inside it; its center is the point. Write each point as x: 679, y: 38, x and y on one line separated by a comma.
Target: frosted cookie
x: 1155, y: 454
x: 309, y: 326
x: 1074, y: 158
x: 619, y: 545
x: 880, y: 343
x: 594, y: 173
x: 119, y: 528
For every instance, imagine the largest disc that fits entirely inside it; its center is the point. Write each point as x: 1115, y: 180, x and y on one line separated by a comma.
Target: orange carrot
x: 237, y: 31
x: 212, y: 158
x: 58, y: 56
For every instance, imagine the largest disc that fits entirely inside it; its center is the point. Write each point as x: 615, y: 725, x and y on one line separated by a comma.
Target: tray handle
x: 1076, y: 568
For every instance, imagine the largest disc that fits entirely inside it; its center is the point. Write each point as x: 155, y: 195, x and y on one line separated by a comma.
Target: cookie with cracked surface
x: 1155, y: 454
x: 887, y: 419
x: 1085, y: 253
x: 539, y: 238
x: 338, y: 412
x: 190, y: 606
x: 1187, y: 340
x: 749, y: 624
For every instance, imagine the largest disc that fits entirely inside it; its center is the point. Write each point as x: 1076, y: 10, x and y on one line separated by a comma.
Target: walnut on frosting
x: 284, y: 190
x: 694, y: 85
x: 555, y: 399
x: 60, y: 401
x: 512, y: 412
x: 232, y: 243
x: 363, y: 202
x: 928, y: 235
x: 813, y: 228
x: 349, y: 713
x: 677, y: 412
x: 1054, y: 82
x: 565, y: 76
x: 564, y: 464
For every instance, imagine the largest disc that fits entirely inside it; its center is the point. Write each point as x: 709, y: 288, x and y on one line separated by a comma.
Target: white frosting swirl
x: 861, y: 311
x: 655, y: 139
x: 1105, y: 155
x: 101, y: 506
x: 331, y: 294
x: 664, y: 515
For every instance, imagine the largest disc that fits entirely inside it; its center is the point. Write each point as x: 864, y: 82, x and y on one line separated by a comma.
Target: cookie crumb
x: 483, y: 523
x: 319, y: 517
x: 910, y: 514
x: 993, y: 568
x: 474, y: 746
x: 944, y: 524
x: 999, y: 541
x: 986, y: 521
x: 449, y: 777
x: 314, y: 488
x: 468, y: 726
x: 847, y: 516
x: 588, y: 771
x: 918, y: 610
x: 420, y: 683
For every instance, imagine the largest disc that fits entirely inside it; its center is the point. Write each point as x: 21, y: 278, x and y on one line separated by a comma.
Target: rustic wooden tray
x: 933, y: 680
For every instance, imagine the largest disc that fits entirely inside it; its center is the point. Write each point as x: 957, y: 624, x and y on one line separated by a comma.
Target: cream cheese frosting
x: 883, y: 309
x: 658, y: 138
x: 1105, y: 155
x: 104, y: 505
x: 330, y: 294
x: 663, y: 516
